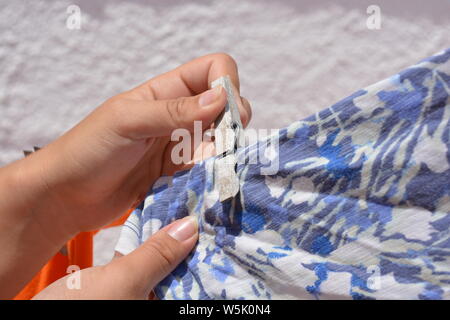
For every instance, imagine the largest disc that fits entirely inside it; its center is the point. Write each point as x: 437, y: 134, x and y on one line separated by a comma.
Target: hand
x: 103, y: 166
x: 132, y: 276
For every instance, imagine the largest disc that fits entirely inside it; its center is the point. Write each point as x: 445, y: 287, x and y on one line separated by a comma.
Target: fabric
x: 359, y: 208
x: 77, y: 251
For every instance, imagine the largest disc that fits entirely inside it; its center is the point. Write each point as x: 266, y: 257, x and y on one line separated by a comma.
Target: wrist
x: 30, y: 231
x: 34, y: 200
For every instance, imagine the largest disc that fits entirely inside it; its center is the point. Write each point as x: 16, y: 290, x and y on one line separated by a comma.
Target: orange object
x: 78, y: 251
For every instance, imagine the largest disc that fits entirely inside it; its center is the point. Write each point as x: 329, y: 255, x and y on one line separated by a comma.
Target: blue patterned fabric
x: 359, y: 208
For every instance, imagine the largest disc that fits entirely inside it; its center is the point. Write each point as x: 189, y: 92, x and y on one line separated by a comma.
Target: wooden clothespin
x: 28, y: 152
x: 228, y: 131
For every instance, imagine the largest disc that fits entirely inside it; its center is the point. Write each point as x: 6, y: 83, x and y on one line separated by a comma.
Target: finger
x: 246, y: 113
x: 137, y: 119
x: 192, y: 78
x: 146, y: 266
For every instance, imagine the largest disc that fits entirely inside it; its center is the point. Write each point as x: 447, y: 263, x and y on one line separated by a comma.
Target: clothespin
x: 228, y: 131
x: 28, y: 152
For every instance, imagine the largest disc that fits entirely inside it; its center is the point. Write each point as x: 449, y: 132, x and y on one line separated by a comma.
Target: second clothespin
x: 227, y: 133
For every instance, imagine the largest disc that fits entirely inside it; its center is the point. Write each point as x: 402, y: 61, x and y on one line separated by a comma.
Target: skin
x: 98, y: 170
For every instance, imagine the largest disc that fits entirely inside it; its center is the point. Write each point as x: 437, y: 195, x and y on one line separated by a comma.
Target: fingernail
x: 209, y: 96
x: 183, y: 229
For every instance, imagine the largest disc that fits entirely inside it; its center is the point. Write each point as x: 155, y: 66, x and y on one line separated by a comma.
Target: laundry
x: 359, y: 207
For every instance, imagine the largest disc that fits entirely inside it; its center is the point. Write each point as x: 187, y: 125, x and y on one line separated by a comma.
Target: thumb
x: 146, y: 266
x: 138, y: 119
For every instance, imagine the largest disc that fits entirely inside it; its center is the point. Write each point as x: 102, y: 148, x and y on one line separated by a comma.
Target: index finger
x: 192, y: 78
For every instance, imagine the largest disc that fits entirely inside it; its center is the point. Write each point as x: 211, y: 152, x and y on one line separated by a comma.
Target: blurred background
x: 295, y: 57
